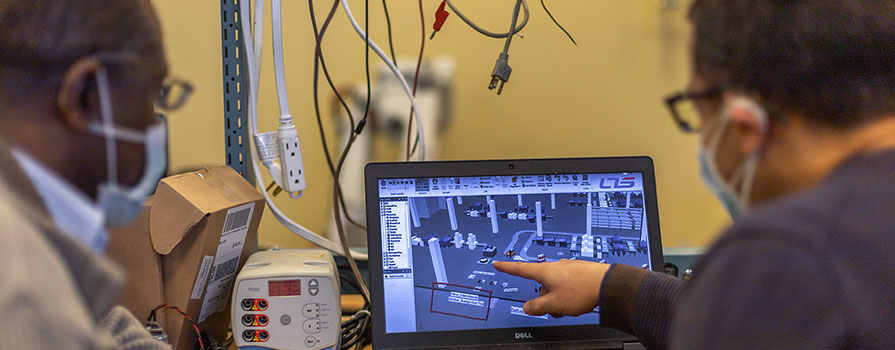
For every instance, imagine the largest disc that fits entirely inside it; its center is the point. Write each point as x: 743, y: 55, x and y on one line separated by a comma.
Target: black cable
x: 555, y: 22
x: 338, y: 216
x: 337, y: 189
x: 364, y: 328
x: 388, y: 23
x: 368, y: 332
x: 353, y: 283
x: 366, y: 61
x: 329, y: 160
x: 350, y: 340
x: 320, y: 62
x: 360, y: 336
x: 351, y: 329
x: 356, y: 331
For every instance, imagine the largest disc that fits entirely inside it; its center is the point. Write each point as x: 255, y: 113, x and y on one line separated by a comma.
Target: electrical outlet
x: 293, y: 179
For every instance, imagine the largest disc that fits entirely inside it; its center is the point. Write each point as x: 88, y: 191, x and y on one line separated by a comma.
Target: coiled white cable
x: 396, y: 72
x: 254, y: 70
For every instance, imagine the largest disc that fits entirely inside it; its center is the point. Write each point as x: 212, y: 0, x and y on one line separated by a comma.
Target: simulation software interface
x: 441, y: 235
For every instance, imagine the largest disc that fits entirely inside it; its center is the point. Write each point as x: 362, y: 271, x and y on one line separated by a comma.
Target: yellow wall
x: 602, y: 98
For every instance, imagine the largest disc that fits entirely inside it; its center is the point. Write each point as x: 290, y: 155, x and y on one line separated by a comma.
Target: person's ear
x: 749, y: 120
x: 78, y: 99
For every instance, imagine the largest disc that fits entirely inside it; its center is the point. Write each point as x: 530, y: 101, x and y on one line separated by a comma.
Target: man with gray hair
x: 81, y: 148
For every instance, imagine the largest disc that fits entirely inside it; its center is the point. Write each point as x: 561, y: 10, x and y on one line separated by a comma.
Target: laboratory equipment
x: 287, y: 300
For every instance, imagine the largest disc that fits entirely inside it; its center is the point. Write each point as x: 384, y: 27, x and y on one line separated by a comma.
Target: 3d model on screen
x: 455, y: 239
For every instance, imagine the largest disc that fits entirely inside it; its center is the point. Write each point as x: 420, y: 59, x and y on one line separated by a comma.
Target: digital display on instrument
x: 284, y: 288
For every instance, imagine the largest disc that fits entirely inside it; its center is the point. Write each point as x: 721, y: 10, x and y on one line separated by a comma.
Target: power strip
x: 293, y: 179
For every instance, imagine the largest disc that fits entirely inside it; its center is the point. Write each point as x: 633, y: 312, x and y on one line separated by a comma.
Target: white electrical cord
x: 486, y: 32
x: 258, y: 22
x: 254, y: 70
x: 396, y: 72
x: 278, y: 64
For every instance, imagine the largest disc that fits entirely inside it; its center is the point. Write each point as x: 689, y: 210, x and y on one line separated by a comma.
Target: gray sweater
x: 54, y: 292
x: 813, y: 270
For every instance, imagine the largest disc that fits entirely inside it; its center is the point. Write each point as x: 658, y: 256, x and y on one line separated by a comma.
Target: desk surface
x: 350, y: 303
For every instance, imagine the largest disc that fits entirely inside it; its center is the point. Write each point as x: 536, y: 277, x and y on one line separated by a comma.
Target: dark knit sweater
x: 813, y: 270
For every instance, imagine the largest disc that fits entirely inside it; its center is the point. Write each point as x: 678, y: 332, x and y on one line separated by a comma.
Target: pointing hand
x: 570, y: 287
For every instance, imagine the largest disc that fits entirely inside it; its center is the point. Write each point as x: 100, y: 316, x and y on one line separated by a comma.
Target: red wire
x: 187, y: 317
x: 416, y: 76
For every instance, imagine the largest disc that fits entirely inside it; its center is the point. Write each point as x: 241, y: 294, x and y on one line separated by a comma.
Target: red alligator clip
x: 440, y: 16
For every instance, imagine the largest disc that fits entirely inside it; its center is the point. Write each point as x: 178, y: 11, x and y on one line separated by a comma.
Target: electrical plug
x: 501, y: 72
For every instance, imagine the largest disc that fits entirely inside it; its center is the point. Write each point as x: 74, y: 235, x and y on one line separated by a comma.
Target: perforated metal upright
x: 236, y: 133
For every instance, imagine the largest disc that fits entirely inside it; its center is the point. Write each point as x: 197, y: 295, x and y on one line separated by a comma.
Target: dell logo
x: 523, y: 335
x: 614, y: 182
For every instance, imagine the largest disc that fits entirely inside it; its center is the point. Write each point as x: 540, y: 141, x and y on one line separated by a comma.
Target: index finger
x: 532, y: 271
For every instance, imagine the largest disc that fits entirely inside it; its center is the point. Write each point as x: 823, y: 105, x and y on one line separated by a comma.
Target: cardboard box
x: 131, y: 248
x: 186, y: 247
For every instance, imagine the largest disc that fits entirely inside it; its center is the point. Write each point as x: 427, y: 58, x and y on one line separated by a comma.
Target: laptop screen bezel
x: 501, y: 336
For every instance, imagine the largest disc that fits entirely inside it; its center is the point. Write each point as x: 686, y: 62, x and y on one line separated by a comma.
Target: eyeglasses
x: 683, y: 108
x: 173, y: 95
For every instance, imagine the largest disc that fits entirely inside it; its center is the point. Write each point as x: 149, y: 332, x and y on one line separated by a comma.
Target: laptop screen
x: 440, y: 235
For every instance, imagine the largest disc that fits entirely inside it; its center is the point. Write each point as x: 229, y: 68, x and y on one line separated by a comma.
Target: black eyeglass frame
x: 671, y: 102
x: 164, y: 102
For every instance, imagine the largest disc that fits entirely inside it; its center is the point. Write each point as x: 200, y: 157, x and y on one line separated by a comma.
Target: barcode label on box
x: 202, y: 277
x: 226, y: 269
x: 226, y: 260
x: 237, y: 220
x: 233, y: 235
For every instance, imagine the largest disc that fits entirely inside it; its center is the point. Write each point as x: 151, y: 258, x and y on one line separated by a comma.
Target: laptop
x: 435, y: 228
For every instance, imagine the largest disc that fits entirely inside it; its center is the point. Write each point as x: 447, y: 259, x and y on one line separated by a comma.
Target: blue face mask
x: 733, y: 194
x: 121, y: 204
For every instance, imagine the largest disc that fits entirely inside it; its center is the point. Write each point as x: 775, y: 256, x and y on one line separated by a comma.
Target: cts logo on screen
x: 616, y: 182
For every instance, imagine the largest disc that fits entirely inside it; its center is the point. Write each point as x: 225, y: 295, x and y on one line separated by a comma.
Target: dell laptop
x: 435, y: 229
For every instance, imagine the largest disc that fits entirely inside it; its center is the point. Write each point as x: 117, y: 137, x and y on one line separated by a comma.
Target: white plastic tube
x: 254, y: 70
x: 397, y: 72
